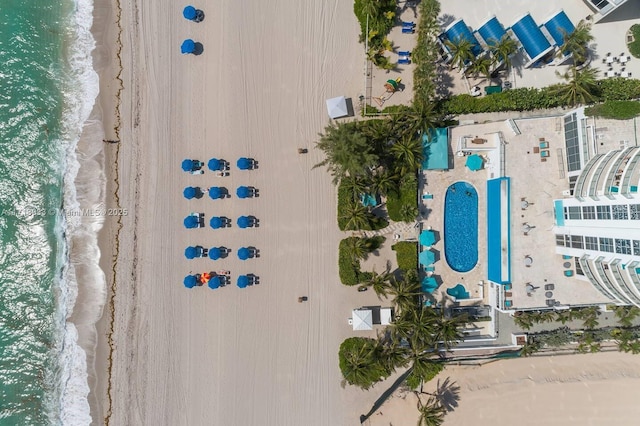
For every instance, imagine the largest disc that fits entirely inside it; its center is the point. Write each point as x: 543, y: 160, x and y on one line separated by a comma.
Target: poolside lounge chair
x: 427, y: 196
x: 408, y: 24
x: 549, y: 286
x: 544, y: 153
x: 544, y: 144
x: 404, y: 53
x: 568, y: 273
x: 404, y: 61
x: 407, y: 30
x: 507, y: 303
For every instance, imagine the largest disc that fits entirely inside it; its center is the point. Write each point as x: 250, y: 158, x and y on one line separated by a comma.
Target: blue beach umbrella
x: 190, y: 281
x: 427, y: 237
x: 188, y: 165
x: 244, y: 222
x: 474, y: 162
x: 190, y: 192
x: 243, y: 192
x: 214, y: 282
x: 188, y: 46
x: 427, y: 258
x: 429, y: 284
x: 215, y: 192
x: 192, y: 252
x: 191, y: 222
x: 189, y: 13
x: 214, y: 164
x: 244, y: 163
x: 215, y: 253
x: 216, y: 222
x: 243, y: 281
x: 244, y: 253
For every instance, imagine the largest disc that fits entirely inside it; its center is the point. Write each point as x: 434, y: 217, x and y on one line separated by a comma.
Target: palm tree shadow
x: 447, y: 394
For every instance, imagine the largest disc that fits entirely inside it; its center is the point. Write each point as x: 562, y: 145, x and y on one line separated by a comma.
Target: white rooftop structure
x: 362, y: 319
x: 337, y: 107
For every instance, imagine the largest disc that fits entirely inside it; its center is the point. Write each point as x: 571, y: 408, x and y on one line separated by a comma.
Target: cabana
x: 457, y: 31
x: 362, y: 319
x: 532, y: 39
x: 492, y: 31
x: 337, y: 107
x: 559, y: 26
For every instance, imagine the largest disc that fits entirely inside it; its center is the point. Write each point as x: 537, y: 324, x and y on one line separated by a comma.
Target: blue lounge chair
x: 544, y: 153
x: 404, y: 61
x: 407, y: 30
x: 404, y: 53
x: 408, y: 24
x: 568, y: 273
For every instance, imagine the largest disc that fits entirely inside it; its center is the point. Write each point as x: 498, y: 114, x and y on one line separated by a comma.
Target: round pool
x: 461, y: 226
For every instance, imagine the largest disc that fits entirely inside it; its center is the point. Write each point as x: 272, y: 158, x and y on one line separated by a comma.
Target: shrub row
x: 348, y: 269
x: 618, y: 110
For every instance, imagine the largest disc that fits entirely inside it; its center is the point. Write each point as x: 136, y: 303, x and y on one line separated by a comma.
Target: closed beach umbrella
x: 188, y: 165
x: 214, y: 164
x: 215, y: 253
x: 244, y: 222
x: 191, y: 222
x: 216, y: 222
x: 188, y: 46
x: 243, y: 281
x: 244, y: 253
x: 189, y: 13
x: 192, y: 252
x: 190, y: 281
x: 427, y: 237
x: 214, y: 282
x: 243, y: 192
x: 244, y: 163
x: 190, y: 192
x: 427, y: 258
x: 474, y: 162
x: 215, y: 192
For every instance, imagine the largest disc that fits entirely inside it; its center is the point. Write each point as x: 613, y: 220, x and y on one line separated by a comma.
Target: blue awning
x: 532, y: 39
x: 492, y: 31
x: 559, y: 27
x: 458, y: 31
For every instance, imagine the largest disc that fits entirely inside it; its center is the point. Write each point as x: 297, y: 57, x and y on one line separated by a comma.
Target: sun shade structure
x: 193, y: 14
x: 243, y: 281
x: 362, y: 319
x: 337, y: 107
x: 188, y: 46
x: 215, y: 164
x: 193, y: 252
x: 244, y: 253
x: 243, y: 192
x: 427, y: 237
x: 492, y: 31
x: 216, y: 222
x: 190, y: 281
x: 190, y: 192
x: 244, y: 163
x: 214, y: 282
x: 215, y: 192
x: 429, y: 284
x: 189, y: 165
x: 458, y: 31
x: 215, y: 253
x: 427, y: 258
x: 559, y: 26
x: 245, y: 222
x: 191, y: 222
x: 474, y: 162
x: 532, y: 39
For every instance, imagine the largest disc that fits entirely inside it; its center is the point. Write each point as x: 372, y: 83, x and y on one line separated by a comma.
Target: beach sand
x: 230, y: 357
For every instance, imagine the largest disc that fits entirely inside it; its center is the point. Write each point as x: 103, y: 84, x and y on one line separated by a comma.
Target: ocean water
x: 50, y: 174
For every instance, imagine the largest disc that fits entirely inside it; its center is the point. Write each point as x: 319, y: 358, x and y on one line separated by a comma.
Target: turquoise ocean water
x: 47, y: 91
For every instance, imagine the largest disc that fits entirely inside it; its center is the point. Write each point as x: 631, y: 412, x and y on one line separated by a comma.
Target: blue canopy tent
x: 191, y: 192
x: 492, y: 31
x: 191, y: 222
x: 243, y: 192
x: 474, y: 162
x: 532, y: 39
x: 190, y: 281
x: 427, y: 257
x: 193, y: 252
x: 215, y: 253
x: 427, y: 237
x: 216, y: 222
x: 560, y: 26
x: 429, y: 284
x: 243, y: 281
x: 215, y: 192
x: 244, y: 222
x: 214, y: 164
x: 459, y: 31
x: 244, y: 253
x: 214, y: 282
x: 190, y: 165
x: 244, y: 163
x: 188, y: 46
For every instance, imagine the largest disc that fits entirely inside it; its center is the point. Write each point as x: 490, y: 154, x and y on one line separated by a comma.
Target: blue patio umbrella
x: 244, y: 163
x: 243, y: 192
x: 214, y: 282
x: 191, y: 222
x: 474, y: 162
x: 188, y: 165
x: 188, y: 46
x: 215, y: 253
x: 427, y: 237
x: 214, y: 164
x: 216, y: 222
x: 192, y: 252
x: 190, y: 281
x: 190, y: 192
x: 244, y: 253
x: 189, y: 13
x: 427, y: 258
x: 243, y: 281
x: 215, y: 192
x: 244, y: 222
x: 429, y: 284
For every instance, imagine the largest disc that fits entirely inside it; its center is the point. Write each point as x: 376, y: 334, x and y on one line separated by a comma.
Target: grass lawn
x: 634, y: 47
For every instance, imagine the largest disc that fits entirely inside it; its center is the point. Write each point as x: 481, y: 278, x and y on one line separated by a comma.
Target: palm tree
x: 580, y: 86
x: 523, y: 320
x: 564, y: 316
x: 394, y: 356
x: 371, y: 8
x: 481, y: 66
x: 502, y: 50
x: 409, y: 212
x: 383, y: 182
x: 358, y: 248
x: 408, y: 154
x: 529, y: 349
x: 626, y: 315
x: 356, y: 216
x: 415, y: 120
x: 431, y: 413
x: 379, y: 283
x: 356, y: 185
x: 461, y: 52
x: 347, y: 150
x: 406, y: 291
x: 447, y: 329
x: 577, y: 42
x: 360, y: 362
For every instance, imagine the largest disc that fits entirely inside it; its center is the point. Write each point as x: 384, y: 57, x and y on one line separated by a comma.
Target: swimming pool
x: 461, y: 227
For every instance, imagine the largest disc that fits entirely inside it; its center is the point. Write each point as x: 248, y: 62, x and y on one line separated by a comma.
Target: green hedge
x: 618, y: 110
x: 406, y: 254
x: 408, y: 195
x: 348, y: 269
x: 344, y: 198
x: 425, y: 55
x: 634, y: 47
x: 380, y: 24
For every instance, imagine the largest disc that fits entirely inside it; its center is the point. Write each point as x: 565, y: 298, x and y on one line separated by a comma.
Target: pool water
x: 461, y: 227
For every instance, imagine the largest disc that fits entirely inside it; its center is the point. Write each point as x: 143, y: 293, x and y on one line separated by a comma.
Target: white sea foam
x: 82, y: 287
